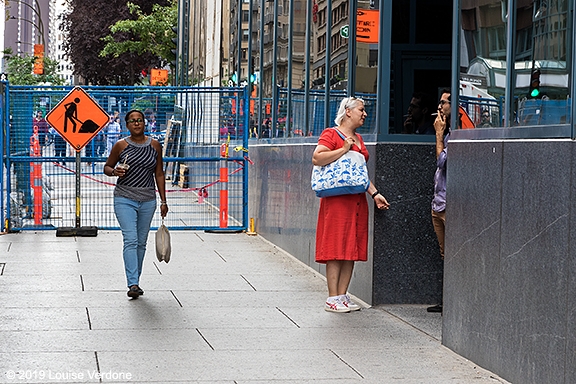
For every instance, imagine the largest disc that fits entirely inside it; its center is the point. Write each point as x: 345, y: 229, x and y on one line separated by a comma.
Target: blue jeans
x: 134, y: 218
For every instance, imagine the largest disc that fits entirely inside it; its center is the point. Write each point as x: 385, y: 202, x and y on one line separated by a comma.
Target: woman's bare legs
x: 338, y: 276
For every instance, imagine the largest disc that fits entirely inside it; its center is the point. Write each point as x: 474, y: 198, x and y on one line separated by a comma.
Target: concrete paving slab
x: 297, y: 339
x: 48, y: 367
x: 18, y: 319
x: 251, y: 298
x: 39, y: 283
x: 418, y: 363
x: 151, y: 282
x: 66, y: 299
x: 141, y: 315
x: 62, y: 268
x: 418, y: 317
x: 266, y: 366
x: 45, y: 340
x: 39, y: 254
x: 306, y: 281
x: 102, y: 340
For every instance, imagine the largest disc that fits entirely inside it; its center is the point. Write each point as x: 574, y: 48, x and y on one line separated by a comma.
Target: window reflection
x: 541, y: 52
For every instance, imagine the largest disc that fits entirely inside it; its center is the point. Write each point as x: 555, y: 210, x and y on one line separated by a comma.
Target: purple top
x: 439, y: 200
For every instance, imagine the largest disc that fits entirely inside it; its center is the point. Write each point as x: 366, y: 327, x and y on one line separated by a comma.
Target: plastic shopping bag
x: 163, y: 247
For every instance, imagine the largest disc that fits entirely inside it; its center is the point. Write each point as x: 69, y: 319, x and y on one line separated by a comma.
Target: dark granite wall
x: 407, y: 263
x: 510, y: 286
x: 404, y: 263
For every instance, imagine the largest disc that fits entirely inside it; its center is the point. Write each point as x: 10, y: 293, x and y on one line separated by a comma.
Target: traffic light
x: 174, y: 59
x: 534, y: 83
x: 174, y: 48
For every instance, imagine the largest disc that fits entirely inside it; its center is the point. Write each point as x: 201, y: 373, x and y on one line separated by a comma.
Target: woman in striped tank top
x: 137, y: 162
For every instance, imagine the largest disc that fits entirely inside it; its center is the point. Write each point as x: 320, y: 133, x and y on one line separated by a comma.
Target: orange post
x: 224, y: 184
x: 36, y: 176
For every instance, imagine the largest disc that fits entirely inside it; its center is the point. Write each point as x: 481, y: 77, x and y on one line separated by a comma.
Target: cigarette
x: 406, y: 115
x: 434, y: 114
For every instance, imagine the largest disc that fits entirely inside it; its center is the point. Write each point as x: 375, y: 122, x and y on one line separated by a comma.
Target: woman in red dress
x: 342, y: 231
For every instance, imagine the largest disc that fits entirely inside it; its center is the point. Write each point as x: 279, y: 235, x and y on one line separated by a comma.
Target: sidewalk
x: 228, y: 308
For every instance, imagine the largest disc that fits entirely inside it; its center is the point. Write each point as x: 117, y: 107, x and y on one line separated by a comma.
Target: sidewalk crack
x: 288, y: 317
x: 205, y: 340
x: 349, y: 366
x: 176, y: 298
x: 246, y: 280
x: 89, y: 321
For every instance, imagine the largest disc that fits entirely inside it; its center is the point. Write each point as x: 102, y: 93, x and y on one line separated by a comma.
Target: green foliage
x: 142, y: 105
x: 150, y: 33
x: 20, y: 70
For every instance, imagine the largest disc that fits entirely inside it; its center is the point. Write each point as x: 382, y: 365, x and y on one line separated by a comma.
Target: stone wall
x: 510, y: 268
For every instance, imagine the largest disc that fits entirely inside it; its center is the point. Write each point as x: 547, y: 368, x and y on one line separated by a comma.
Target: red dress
x: 342, y: 231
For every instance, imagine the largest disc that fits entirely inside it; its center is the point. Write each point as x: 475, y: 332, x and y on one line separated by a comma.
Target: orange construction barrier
x: 36, y: 176
x: 224, y: 183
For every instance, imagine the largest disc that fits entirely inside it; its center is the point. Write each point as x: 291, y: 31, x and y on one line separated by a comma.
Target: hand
x: 408, y: 121
x: 440, y: 123
x: 348, y: 143
x: 163, y: 210
x: 381, y: 202
x: 119, y: 171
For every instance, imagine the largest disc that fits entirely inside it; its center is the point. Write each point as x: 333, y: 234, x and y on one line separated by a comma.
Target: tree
x: 152, y: 33
x: 19, y: 70
x: 86, y: 24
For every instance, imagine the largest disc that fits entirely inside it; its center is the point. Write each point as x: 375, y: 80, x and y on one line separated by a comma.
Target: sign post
x: 77, y: 118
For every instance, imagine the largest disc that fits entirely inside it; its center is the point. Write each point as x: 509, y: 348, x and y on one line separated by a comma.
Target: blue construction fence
x: 201, y: 131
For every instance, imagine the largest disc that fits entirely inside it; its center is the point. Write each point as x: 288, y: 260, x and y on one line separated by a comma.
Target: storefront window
x: 542, y: 54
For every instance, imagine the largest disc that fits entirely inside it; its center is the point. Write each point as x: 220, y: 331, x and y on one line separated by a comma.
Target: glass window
x: 542, y: 37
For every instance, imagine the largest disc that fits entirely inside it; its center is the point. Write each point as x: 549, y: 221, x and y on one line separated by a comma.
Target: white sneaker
x: 335, y: 305
x: 345, y: 299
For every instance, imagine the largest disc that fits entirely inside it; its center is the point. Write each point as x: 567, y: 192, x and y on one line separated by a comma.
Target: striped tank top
x: 138, y: 184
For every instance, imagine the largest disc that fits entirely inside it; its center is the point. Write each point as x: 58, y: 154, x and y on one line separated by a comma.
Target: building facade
x: 32, y: 22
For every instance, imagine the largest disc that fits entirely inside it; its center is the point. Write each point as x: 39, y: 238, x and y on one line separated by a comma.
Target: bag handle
x: 340, y: 133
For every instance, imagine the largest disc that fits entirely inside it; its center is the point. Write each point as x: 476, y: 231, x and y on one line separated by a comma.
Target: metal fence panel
x: 194, y: 125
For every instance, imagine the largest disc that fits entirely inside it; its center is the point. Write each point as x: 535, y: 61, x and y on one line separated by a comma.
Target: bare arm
x: 113, y: 158
x: 160, y: 178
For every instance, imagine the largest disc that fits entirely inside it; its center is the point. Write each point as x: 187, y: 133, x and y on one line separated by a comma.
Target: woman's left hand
x: 163, y: 210
x: 381, y: 202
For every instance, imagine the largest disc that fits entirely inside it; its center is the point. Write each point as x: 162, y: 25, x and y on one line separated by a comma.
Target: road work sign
x: 77, y: 118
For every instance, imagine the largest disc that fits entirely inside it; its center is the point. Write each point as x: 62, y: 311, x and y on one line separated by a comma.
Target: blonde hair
x: 346, y: 103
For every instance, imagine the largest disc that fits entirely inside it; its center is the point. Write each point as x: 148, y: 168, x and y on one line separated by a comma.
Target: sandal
x: 135, y: 291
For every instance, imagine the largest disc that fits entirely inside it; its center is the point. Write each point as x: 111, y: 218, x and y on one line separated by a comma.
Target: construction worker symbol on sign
x: 71, y: 115
x: 77, y: 118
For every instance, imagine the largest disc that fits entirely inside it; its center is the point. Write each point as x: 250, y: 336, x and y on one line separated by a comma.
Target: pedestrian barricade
x: 211, y: 192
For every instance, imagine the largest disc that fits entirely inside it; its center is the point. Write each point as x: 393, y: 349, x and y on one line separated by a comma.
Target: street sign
x: 344, y: 32
x: 367, y: 21
x: 158, y: 76
x: 77, y: 118
x: 38, y: 59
